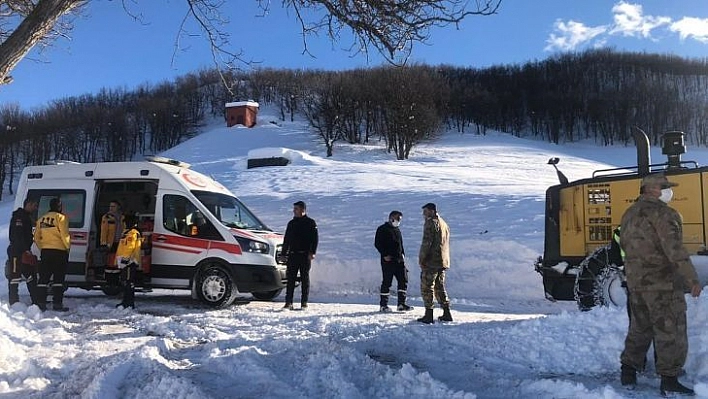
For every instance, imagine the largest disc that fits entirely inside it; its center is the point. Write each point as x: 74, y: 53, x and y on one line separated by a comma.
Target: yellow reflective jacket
x: 109, y: 225
x: 129, y: 248
x: 52, y: 232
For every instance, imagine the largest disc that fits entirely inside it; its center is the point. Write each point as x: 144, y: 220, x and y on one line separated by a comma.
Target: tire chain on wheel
x: 585, y: 289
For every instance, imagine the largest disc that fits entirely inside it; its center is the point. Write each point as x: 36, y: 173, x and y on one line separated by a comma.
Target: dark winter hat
x: 30, y: 200
x: 300, y: 205
x: 657, y: 179
x: 430, y: 206
x: 55, y: 205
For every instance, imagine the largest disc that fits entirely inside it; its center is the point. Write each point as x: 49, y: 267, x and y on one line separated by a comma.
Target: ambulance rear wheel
x: 266, y: 296
x: 112, y: 290
x: 215, y: 287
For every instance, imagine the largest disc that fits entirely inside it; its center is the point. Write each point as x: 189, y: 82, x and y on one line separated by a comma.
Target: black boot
x: 446, y: 314
x: 129, y: 296
x: 628, y: 376
x: 32, y: 288
x: 13, y: 293
x: 428, y: 318
x: 671, y: 384
x: 41, y: 293
x: 383, y: 304
x: 58, y: 299
x: 402, y: 306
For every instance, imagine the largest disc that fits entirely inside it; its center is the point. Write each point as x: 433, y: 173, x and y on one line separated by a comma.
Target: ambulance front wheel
x: 215, y: 286
x: 266, y: 296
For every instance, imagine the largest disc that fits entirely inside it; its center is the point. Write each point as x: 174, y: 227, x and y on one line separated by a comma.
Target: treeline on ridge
x: 597, y: 94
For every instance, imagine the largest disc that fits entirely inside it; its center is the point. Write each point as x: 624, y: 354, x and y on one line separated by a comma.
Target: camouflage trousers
x: 659, y: 316
x: 432, y: 283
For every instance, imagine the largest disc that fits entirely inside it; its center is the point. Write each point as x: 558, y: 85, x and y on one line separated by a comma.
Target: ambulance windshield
x: 229, y: 211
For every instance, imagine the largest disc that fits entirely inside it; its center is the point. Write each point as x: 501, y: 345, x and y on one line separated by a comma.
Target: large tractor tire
x: 599, y: 282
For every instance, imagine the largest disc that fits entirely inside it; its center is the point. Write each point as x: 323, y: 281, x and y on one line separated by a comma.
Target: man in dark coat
x: 300, y: 246
x: 659, y: 271
x: 389, y: 243
x: 20, y: 243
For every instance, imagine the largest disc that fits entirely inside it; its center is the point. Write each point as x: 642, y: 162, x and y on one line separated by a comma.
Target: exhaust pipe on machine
x: 643, y: 158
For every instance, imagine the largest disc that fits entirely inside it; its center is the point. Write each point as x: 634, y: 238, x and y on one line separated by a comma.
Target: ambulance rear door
x: 77, y: 197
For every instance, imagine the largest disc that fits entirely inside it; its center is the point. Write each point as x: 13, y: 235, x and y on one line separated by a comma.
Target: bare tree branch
x: 391, y: 27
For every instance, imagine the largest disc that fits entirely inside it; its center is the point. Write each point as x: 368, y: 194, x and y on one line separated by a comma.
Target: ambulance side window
x: 73, y: 201
x: 182, y: 217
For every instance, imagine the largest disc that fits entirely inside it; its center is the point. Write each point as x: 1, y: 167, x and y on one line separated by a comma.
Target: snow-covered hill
x: 506, y: 341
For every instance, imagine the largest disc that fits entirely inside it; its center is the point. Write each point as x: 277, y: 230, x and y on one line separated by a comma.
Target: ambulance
x: 197, y: 234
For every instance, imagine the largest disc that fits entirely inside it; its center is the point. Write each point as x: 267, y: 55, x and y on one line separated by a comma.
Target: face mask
x: 396, y: 223
x: 666, y: 195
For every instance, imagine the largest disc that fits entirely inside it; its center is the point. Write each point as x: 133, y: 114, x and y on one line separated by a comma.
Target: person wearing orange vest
x: 52, y: 237
x: 128, y: 260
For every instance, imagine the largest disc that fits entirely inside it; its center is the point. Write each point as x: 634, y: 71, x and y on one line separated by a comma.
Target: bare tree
x: 391, y: 27
x: 37, y: 21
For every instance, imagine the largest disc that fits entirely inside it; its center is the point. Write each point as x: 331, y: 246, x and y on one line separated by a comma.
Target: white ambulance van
x: 198, y: 235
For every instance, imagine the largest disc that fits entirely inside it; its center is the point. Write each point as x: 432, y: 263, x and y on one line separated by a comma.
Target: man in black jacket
x: 20, y: 243
x: 300, y: 246
x: 389, y: 243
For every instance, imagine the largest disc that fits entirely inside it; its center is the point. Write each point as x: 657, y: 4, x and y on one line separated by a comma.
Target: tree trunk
x: 36, y: 26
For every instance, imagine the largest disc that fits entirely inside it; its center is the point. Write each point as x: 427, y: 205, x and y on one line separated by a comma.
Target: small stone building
x: 241, y: 113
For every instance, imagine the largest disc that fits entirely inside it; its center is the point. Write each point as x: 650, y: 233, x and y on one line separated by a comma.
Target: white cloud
x: 572, y: 34
x: 630, y: 20
x: 696, y: 28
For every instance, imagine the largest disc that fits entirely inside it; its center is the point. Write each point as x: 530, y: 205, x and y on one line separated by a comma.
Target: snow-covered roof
x: 242, y: 104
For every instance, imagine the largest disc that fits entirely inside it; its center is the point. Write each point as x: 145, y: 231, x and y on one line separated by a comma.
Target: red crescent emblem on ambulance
x: 194, y: 180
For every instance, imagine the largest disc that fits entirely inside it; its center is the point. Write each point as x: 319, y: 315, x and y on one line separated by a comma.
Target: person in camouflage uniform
x: 659, y: 271
x: 434, y: 259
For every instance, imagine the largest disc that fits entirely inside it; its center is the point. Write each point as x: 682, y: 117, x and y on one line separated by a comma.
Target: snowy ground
x: 507, y: 341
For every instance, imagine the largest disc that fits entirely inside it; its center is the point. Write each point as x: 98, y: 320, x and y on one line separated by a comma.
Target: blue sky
x: 109, y: 49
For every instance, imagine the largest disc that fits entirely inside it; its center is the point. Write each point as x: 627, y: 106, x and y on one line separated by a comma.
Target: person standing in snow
x: 19, y: 252
x: 389, y: 242
x: 52, y: 237
x: 128, y: 260
x: 300, y: 246
x: 659, y: 271
x: 112, y: 227
x: 434, y: 260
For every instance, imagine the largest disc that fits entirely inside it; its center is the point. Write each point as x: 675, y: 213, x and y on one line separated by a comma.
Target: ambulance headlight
x: 252, y: 246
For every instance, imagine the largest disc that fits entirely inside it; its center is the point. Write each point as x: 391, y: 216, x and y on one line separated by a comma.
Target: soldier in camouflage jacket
x: 659, y: 271
x: 434, y: 259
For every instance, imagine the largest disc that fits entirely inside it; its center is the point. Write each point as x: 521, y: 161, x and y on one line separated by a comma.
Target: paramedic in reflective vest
x: 52, y: 237
x: 300, y: 245
x: 128, y: 260
x: 112, y: 227
x: 19, y: 252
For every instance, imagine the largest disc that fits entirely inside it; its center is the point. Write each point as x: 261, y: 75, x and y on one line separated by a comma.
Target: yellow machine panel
x: 590, y: 212
x: 571, y: 221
